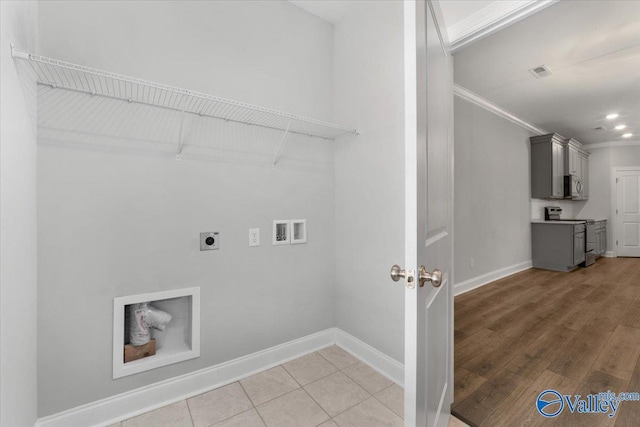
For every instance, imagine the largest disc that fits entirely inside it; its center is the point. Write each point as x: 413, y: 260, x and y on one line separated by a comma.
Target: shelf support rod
x: 282, y: 141
x: 180, y: 137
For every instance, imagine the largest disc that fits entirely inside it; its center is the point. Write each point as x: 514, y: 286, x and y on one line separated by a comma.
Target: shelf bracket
x: 18, y: 53
x: 282, y: 141
x: 180, y: 137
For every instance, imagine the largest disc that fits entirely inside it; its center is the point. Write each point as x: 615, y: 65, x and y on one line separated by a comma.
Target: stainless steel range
x: 552, y: 213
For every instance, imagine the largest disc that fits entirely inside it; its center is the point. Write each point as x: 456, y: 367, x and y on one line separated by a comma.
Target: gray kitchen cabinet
x: 576, y: 162
x: 573, y: 166
x: 584, y: 177
x: 558, y: 245
x: 547, y: 166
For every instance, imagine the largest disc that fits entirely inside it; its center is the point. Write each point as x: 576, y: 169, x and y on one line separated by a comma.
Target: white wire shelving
x: 89, y: 82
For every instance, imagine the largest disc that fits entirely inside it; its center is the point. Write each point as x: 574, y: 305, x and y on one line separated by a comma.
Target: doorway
x: 626, y: 212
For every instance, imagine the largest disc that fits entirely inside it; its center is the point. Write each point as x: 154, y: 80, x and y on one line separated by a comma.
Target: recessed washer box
x: 179, y: 341
x: 281, y: 232
x: 298, y: 230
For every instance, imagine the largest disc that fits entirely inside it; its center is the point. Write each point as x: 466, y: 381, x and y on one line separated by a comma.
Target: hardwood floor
x: 577, y: 333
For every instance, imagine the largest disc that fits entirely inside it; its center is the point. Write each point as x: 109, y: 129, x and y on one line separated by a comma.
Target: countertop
x: 542, y: 221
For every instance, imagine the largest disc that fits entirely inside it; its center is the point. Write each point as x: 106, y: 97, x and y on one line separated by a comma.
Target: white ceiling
x: 593, y: 50
x: 454, y: 11
x: 330, y: 10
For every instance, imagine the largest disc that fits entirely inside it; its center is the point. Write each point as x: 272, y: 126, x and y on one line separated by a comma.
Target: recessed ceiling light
x: 627, y: 135
x: 612, y: 116
x: 620, y: 127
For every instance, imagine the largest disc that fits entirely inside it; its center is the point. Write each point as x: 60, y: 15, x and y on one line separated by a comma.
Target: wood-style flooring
x: 577, y: 333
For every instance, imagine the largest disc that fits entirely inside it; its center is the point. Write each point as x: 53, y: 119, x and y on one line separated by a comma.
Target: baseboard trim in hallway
x: 126, y: 405
x: 484, y: 279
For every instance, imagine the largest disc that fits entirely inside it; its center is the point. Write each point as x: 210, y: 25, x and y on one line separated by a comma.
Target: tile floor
x: 328, y: 388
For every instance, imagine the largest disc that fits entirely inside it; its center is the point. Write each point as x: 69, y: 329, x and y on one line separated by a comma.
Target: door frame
x: 614, y: 202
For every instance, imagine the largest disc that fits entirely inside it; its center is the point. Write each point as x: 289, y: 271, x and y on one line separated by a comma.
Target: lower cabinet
x: 601, y: 238
x: 557, y: 246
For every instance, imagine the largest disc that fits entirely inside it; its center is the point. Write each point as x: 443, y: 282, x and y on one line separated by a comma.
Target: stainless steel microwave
x: 572, y: 187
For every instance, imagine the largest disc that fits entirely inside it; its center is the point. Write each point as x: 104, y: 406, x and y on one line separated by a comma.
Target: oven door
x: 579, y: 254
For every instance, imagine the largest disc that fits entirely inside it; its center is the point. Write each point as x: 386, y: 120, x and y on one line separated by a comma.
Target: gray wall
x: 369, y: 194
x: 113, y: 223
x: 492, y: 192
x: 272, y: 54
x: 18, y: 264
x: 492, y: 175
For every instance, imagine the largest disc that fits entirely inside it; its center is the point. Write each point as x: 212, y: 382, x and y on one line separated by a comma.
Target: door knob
x: 397, y: 273
x: 435, y: 278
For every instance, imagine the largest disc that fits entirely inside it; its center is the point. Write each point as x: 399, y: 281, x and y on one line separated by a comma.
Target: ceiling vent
x: 540, y: 71
x: 599, y: 128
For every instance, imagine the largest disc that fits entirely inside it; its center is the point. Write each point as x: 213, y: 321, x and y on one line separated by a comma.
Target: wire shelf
x: 85, y: 80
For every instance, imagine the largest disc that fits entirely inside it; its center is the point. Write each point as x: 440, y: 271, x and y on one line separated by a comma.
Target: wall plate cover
x: 254, y: 237
x: 209, y: 241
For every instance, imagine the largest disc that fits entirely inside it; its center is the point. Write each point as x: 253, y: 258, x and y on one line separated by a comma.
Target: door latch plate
x: 411, y: 279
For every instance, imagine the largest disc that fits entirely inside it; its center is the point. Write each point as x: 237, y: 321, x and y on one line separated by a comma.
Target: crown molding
x: 476, y: 99
x: 491, y: 19
x: 610, y: 144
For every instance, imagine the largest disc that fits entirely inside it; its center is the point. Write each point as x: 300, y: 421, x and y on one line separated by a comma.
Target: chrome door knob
x: 397, y: 273
x: 435, y: 278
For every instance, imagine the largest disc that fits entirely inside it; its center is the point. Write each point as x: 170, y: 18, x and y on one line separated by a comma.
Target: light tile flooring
x: 327, y: 388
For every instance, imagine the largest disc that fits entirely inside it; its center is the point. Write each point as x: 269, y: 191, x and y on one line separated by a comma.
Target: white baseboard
x: 135, y: 402
x: 382, y: 363
x: 608, y: 254
x: 476, y: 282
x: 120, y: 407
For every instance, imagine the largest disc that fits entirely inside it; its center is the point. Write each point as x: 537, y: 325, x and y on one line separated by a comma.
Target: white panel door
x: 627, y: 217
x: 429, y: 216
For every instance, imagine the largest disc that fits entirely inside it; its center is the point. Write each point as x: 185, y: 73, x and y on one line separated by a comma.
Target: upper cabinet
x: 577, y: 164
x: 572, y: 159
x: 552, y: 158
x: 584, y: 161
x: 547, y: 166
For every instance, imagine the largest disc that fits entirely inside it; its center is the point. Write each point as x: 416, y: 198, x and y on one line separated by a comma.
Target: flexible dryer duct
x: 144, y: 316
